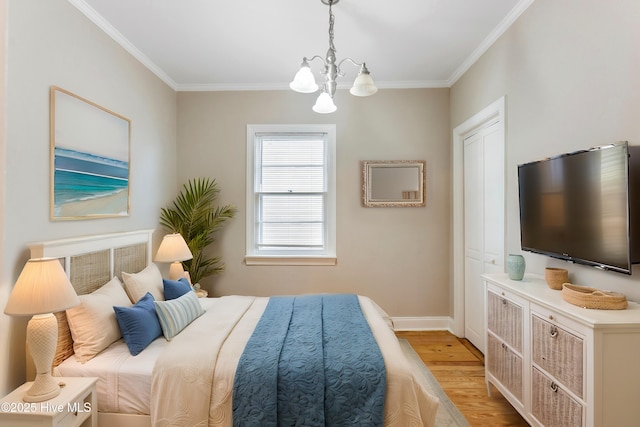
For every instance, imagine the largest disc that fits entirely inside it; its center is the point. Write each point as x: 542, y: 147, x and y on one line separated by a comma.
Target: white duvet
x: 189, y: 381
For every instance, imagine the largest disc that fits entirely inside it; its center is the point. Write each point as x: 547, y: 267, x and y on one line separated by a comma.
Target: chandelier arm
x: 357, y: 64
x: 315, y: 57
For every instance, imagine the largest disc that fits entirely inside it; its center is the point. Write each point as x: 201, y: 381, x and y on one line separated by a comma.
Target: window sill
x: 289, y: 260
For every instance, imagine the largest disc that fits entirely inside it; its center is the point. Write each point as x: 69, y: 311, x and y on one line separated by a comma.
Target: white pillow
x: 93, y: 323
x: 148, y: 280
x: 174, y: 315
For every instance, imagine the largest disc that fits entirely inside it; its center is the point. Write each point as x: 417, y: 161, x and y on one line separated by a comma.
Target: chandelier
x: 305, y: 82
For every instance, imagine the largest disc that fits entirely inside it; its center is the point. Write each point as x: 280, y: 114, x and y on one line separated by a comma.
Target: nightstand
x: 75, y: 406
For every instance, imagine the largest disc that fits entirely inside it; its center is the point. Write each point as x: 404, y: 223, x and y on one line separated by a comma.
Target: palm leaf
x: 194, y: 216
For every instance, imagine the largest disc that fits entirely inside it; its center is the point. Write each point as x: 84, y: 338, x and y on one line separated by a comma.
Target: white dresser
x: 559, y: 364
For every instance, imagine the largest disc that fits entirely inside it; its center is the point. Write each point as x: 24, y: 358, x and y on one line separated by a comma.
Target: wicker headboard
x: 90, y: 262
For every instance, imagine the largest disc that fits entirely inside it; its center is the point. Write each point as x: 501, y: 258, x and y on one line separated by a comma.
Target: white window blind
x: 292, y: 194
x: 290, y: 190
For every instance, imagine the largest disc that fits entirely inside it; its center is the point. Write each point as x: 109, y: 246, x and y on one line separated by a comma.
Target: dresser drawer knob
x: 504, y: 301
x: 554, y: 332
x: 554, y: 387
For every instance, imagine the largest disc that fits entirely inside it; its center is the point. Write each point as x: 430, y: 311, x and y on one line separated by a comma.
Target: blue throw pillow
x: 175, y: 288
x: 139, y: 324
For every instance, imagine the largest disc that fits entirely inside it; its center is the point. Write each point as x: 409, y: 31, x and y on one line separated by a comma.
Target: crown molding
x: 206, y: 87
x: 105, y: 26
x: 230, y: 87
x: 414, y: 84
x: 490, y: 40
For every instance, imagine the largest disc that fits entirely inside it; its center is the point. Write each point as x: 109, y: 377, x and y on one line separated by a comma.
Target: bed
x: 169, y: 382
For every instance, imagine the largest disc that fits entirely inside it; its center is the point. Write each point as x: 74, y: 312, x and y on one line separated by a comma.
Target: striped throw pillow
x: 174, y: 315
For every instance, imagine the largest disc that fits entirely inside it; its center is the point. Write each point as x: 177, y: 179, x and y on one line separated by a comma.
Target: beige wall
x: 52, y: 43
x: 398, y: 256
x: 5, y: 322
x: 570, y: 72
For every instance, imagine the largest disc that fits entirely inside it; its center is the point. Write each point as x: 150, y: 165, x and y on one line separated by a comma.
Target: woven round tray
x: 586, y: 297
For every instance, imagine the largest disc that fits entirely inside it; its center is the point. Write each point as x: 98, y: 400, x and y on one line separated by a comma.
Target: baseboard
x: 422, y: 323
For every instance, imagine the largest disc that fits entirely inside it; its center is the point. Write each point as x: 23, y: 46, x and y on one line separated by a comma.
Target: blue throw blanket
x: 311, y: 361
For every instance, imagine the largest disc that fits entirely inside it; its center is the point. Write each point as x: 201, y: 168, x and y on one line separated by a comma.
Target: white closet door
x: 473, y: 237
x: 483, y: 222
x: 494, y: 225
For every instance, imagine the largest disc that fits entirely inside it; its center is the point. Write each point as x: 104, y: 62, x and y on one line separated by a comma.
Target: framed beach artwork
x: 89, y: 159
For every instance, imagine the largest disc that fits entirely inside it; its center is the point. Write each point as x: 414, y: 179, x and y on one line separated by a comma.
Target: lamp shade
x: 363, y: 85
x: 304, y: 81
x: 324, y: 104
x: 42, y: 287
x: 173, y: 248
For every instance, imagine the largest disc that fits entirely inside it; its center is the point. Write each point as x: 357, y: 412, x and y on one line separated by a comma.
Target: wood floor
x: 459, y: 368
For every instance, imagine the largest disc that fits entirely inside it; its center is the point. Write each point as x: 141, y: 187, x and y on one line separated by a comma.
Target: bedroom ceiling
x: 258, y: 44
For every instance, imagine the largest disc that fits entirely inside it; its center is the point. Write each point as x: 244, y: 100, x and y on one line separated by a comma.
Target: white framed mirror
x: 393, y: 183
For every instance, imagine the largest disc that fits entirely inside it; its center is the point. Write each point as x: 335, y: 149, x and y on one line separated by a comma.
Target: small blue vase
x: 515, y: 266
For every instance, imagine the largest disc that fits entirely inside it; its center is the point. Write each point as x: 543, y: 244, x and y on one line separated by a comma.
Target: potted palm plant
x: 194, y: 215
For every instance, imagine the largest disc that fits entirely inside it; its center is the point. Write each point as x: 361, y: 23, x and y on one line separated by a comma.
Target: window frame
x: 326, y: 256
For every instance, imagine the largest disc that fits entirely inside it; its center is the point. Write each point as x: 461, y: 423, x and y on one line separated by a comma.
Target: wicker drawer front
x: 551, y: 405
x: 504, y: 318
x: 558, y: 352
x: 505, y: 365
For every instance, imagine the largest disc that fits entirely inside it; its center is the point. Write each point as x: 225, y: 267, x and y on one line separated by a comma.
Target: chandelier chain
x: 331, y: 21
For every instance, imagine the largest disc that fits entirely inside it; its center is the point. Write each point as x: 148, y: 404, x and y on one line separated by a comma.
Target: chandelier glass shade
x: 304, y: 80
x: 324, y: 104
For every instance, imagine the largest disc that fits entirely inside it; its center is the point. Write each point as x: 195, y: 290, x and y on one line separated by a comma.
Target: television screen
x: 576, y: 207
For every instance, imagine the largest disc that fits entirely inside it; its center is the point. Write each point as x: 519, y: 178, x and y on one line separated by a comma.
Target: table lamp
x: 42, y: 289
x: 174, y: 249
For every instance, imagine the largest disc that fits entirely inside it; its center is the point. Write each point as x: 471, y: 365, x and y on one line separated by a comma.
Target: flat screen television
x: 583, y: 207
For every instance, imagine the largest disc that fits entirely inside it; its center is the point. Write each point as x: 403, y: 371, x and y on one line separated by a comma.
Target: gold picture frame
x: 393, y: 183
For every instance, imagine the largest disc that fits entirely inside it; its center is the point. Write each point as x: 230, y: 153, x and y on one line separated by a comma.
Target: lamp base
x: 176, y: 271
x: 44, y: 388
x: 42, y: 337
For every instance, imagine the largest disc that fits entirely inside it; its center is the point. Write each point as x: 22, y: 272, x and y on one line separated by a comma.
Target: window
x: 291, y: 195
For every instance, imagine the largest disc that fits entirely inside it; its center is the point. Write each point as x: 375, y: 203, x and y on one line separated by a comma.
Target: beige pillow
x: 148, y: 280
x: 93, y: 323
